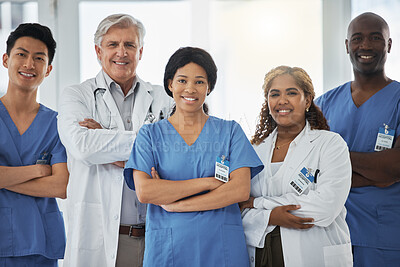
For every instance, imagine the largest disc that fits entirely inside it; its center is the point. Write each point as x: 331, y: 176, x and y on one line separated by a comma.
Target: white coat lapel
x: 303, y: 147
x: 143, y: 101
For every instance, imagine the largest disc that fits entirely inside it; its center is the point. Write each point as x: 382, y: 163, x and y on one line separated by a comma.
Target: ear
x: 347, y: 45
x: 308, y: 101
x: 49, y: 68
x: 389, y: 45
x: 170, y: 85
x: 5, y: 60
x: 140, y: 53
x: 98, y: 52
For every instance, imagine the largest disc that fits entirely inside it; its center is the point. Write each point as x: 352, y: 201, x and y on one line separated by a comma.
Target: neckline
x: 200, y: 134
x: 12, y: 123
x: 369, y: 99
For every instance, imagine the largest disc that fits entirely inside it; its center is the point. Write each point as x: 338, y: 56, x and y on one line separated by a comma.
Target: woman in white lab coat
x: 296, y: 214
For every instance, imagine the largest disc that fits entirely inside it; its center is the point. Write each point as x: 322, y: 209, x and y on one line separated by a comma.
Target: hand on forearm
x: 120, y: 164
x: 90, y: 124
x: 281, y: 216
x: 248, y: 204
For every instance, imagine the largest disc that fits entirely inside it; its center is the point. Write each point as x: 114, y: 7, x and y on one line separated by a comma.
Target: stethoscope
x: 101, y: 109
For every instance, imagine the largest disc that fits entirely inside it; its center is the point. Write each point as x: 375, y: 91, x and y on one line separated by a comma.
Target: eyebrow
x: 287, y: 89
x: 184, y: 76
x: 36, y: 53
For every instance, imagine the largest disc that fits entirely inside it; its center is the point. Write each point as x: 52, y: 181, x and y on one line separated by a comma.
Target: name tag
x: 44, y: 158
x: 384, y: 139
x: 222, y: 169
x: 302, y: 181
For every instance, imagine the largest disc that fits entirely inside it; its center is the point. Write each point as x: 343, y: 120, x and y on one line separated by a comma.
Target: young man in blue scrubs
x: 366, y: 113
x: 33, y: 169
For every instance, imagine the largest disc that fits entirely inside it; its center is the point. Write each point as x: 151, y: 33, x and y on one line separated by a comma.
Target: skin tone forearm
x: 53, y: 185
x: 234, y: 191
x: 159, y: 191
x: 10, y: 176
x: 376, y: 168
x: 281, y: 216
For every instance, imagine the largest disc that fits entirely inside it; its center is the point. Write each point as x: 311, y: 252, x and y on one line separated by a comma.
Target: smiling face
x: 368, y: 43
x: 287, y: 102
x: 119, y: 54
x: 27, y: 64
x: 189, y: 88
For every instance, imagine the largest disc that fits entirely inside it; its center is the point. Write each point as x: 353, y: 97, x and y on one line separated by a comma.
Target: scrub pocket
x: 5, y: 231
x: 87, y: 226
x: 338, y: 256
x: 234, y: 244
x: 388, y: 226
x: 55, y: 232
x: 158, y: 251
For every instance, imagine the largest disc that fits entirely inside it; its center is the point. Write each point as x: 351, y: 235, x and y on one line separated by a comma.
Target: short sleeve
x: 58, y: 154
x: 242, y: 153
x: 141, y: 157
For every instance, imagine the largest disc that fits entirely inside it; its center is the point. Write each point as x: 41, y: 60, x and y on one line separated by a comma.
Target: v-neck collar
x: 370, y: 98
x: 6, y: 116
x: 183, y: 140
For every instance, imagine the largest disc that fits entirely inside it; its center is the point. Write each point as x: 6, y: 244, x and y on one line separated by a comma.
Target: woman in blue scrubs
x: 193, y: 219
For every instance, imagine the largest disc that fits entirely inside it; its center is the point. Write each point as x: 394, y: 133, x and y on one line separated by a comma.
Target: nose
x: 365, y: 43
x: 121, y: 50
x: 190, y: 88
x: 283, y: 99
x: 29, y: 63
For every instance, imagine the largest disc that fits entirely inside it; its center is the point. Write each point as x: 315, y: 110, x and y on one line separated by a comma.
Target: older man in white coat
x: 98, y: 122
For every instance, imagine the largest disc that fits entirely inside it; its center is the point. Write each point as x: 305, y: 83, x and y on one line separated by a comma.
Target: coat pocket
x: 6, y: 233
x: 234, y: 243
x: 338, y: 256
x: 87, y: 226
x: 55, y: 232
x: 158, y: 250
x: 388, y: 226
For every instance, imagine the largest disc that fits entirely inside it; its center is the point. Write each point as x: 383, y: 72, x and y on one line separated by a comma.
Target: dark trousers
x: 271, y: 254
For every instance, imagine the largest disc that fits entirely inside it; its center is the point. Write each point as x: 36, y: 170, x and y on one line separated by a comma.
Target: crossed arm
x: 170, y: 194
x: 376, y: 168
x: 36, y: 180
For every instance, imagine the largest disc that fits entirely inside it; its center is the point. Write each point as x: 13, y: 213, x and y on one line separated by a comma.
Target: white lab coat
x: 328, y: 242
x: 94, y: 191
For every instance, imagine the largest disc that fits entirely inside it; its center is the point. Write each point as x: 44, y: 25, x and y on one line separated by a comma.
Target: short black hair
x: 186, y: 55
x: 36, y: 31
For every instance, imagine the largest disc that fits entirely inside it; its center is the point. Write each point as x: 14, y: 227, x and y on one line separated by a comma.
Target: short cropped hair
x: 121, y: 21
x: 36, y: 31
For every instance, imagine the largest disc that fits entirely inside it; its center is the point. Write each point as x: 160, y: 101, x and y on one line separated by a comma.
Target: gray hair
x: 122, y: 21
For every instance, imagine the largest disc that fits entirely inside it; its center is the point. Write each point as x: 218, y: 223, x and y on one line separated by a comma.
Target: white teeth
x: 284, y: 111
x: 121, y: 63
x: 365, y: 57
x: 189, y: 99
x: 26, y: 74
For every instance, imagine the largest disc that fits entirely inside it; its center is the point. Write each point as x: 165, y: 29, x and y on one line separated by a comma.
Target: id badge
x: 302, y: 181
x: 385, y: 138
x: 222, y: 169
x: 44, y: 158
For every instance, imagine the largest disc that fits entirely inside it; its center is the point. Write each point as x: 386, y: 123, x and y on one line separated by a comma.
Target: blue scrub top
x: 204, y: 238
x: 373, y: 213
x: 30, y: 225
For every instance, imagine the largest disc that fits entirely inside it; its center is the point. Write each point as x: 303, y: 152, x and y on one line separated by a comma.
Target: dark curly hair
x: 314, y: 115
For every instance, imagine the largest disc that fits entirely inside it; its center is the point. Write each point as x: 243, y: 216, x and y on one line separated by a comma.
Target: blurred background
x: 245, y: 37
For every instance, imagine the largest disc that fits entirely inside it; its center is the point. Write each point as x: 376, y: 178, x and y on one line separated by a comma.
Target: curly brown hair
x: 314, y: 115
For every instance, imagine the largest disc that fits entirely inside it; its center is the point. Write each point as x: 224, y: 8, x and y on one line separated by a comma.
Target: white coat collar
x: 298, y: 151
x: 143, y: 101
